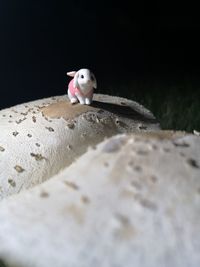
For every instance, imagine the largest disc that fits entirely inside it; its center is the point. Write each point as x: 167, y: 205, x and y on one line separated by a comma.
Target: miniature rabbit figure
x: 81, y: 87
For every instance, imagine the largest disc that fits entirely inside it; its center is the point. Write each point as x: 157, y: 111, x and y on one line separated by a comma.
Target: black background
x: 41, y: 40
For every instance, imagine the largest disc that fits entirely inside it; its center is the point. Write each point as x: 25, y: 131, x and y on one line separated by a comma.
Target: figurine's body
x: 81, y: 87
x: 75, y: 93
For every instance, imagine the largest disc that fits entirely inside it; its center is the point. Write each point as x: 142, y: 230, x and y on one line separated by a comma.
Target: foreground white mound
x: 39, y: 138
x: 132, y: 201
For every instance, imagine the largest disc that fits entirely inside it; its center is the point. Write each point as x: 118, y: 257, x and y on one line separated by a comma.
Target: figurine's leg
x: 80, y: 99
x: 88, y: 101
x: 73, y: 99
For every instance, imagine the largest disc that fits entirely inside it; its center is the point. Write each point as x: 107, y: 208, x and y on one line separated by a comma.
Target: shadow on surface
x: 124, y: 111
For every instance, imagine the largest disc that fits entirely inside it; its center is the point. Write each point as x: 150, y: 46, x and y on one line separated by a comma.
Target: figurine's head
x: 84, y: 79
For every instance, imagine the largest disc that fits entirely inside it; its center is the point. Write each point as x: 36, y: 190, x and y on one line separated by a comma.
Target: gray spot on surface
x: 125, y: 231
x: 24, y: 113
x: 12, y: 182
x: 48, y: 119
x: 193, y: 163
x: 154, y: 147
x: 166, y: 149
x: 34, y: 119
x: 153, y: 178
x: 69, y: 147
x: 50, y: 129
x: 20, y: 120
x: 181, y: 144
x: 136, y: 184
x: 44, y: 194
x: 2, y: 149
x: 106, y: 164
x: 18, y: 168
x: 142, y: 152
x: 85, y: 199
x: 138, y: 168
x: 71, y: 185
x: 142, y: 127
x: 131, y: 163
x: 122, y: 219
x: 146, y: 203
x: 15, y: 133
x: 121, y: 123
x: 113, y: 145
x: 71, y: 125
x: 37, y: 157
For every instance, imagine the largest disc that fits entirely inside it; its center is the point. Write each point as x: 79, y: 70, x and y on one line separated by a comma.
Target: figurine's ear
x: 71, y: 73
x: 94, y: 81
x: 76, y: 79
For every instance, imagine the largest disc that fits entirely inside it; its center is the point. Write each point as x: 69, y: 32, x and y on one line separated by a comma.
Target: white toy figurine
x: 81, y: 87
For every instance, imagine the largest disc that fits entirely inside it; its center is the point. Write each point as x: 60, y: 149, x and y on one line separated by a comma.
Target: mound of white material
x: 39, y: 138
x: 132, y: 201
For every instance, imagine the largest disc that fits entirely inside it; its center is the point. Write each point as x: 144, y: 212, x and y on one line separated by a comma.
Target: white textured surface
x: 132, y: 201
x: 41, y: 146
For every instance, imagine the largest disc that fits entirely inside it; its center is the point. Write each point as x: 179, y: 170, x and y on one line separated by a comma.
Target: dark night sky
x: 41, y: 40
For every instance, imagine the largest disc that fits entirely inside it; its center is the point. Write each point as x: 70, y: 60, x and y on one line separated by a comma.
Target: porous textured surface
x: 39, y: 138
x: 134, y: 200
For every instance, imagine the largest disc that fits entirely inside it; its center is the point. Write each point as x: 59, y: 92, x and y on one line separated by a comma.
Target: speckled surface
x: 39, y: 138
x: 133, y: 200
